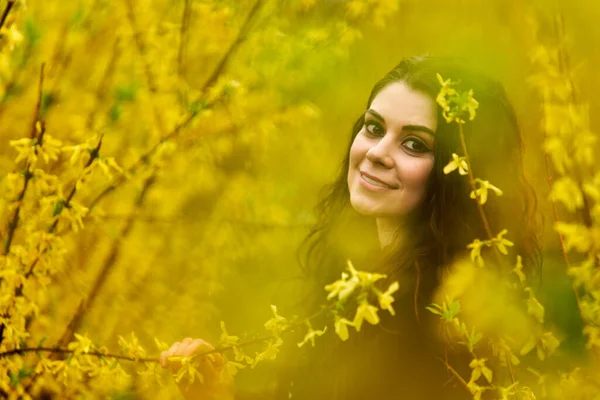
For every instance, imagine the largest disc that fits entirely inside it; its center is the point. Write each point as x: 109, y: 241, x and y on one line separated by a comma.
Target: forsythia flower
x: 311, y: 335
x: 459, y: 163
x: 481, y: 193
x: 365, y: 311
x: 385, y: 299
x: 475, y: 247
x: 226, y: 339
x: 501, y: 243
x: 277, y: 324
x: 534, y: 307
x: 341, y: 328
x: 518, y: 270
x: 270, y: 353
x: 455, y: 105
x: 478, y: 368
x: 568, y: 193
x: 82, y: 345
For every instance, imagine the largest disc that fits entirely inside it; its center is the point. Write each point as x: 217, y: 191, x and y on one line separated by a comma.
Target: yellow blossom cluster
x: 360, y: 285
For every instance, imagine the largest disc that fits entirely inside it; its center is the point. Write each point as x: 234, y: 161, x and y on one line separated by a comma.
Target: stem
x: 484, y: 219
x: 58, y: 350
x: 454, y: 372
x: 9, y: 5
x: 12, y: 225
x: 512, y: 375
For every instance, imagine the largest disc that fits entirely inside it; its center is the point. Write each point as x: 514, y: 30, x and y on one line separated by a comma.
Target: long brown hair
x: 367, y: 366
x: 447, y: 219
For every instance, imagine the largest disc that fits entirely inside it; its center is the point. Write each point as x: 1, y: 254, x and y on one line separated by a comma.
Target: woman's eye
x: 415, y: 145
x: 374, y: 128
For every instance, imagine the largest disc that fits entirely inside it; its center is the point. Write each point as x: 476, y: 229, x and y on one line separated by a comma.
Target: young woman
x: 392, y: 188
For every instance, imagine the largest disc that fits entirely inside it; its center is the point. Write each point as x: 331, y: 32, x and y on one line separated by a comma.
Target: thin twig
x: 484, y: 219
x: 59, y: 350
x: 12, y: 226
x: 454, y: 372
x: 9, y: 5
x: 223, y: 349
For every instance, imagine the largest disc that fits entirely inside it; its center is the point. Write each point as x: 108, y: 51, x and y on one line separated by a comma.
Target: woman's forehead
x: 400, y: 105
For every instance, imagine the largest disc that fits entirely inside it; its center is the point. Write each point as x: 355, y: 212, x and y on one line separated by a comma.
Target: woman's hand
x: 216, y: 384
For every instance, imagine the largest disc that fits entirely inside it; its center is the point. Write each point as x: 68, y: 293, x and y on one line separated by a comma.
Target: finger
x: 197, y: 346
x: 187, y: 341
x: 218, y: 361
x: 168, y: 353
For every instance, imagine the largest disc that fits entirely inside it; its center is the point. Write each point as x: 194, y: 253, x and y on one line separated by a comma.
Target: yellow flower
x: 386, y: 299
x: 311, y: 335
x: 478, y: 368
x: 270, y: 353
x: 475, y: 247
x: 567, y: 192
x: 534, y: 307
x: 341, y: 328
x: 457, y: 162
x: 226, y: 339
x: 82, y: 345
x: 365, y: 311
x: 277, y: 324
x: 518, y: 270
x: 455, y: 105
x: 502, y: 243
x: 481, y: 193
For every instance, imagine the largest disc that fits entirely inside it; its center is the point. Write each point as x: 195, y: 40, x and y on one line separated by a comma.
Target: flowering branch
x: 59, y: 350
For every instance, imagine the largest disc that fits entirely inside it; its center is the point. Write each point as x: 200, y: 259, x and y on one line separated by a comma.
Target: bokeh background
x: 256, y: 101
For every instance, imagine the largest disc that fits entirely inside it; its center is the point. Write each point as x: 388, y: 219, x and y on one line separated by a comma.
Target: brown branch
x: 109, y: 264
x: 9, y: 5
x: 14, y: 222
x: 454, y: 372
x: 59, y: 350
x: 512, y: 374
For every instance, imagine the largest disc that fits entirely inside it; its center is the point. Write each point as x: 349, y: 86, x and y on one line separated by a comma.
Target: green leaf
x: 433, y: 310
x: 58, y: 207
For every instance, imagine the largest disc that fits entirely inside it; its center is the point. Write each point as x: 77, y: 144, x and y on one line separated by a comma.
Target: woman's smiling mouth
x: 372, y: 183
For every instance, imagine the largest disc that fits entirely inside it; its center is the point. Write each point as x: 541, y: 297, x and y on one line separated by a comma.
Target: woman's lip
x: 376, y: 179
x: 372, y: 186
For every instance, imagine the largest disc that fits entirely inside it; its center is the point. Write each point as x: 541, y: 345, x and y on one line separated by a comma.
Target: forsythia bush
x: 136, y: 175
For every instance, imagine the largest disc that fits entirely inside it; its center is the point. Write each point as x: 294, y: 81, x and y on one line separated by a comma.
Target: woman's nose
x: 380, y: 153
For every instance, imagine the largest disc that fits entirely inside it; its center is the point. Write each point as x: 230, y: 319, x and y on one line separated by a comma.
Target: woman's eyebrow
x: 420, y: 128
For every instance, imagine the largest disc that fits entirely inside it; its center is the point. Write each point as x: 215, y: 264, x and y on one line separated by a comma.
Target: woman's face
x: 392, y: 156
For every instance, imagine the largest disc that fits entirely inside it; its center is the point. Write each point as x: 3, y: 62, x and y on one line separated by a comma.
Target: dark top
x: 401, y: 358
